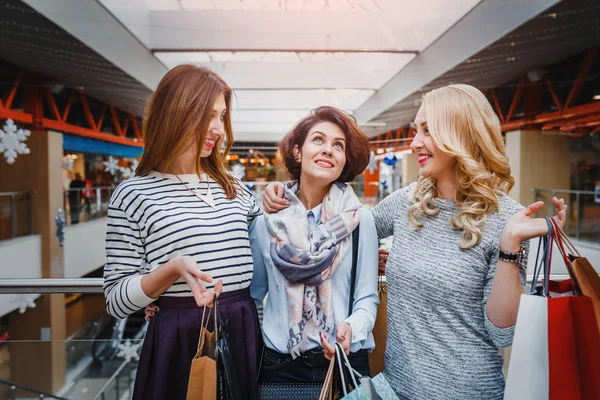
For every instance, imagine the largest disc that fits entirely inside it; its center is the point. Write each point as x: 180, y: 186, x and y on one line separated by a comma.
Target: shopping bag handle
x: 560, y: 235
x: 344, y: 360
x: 546, y: 262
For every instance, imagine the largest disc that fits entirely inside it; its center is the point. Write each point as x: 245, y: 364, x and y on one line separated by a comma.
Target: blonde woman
x: 457, y: 265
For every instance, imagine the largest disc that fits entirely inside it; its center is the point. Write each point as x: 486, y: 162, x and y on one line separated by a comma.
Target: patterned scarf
x: 308, y: 259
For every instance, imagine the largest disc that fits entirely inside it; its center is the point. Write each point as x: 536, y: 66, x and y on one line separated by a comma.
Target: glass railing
x: 583, y: 216
x: 15, y: 214
x: 86, y: 204
x: 96, y: 359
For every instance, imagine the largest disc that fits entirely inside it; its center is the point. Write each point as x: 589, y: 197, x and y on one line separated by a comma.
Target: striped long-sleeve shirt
x: 154, y: 218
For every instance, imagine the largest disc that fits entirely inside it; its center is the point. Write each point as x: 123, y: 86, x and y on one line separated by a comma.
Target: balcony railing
x: 86, y: 204
x: 100, y: 355
x: 16, y: 210
x: 583, y: 215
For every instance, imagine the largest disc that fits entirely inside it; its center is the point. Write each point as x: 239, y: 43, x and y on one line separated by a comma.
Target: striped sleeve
x: 253, y: 208
x: 125, y: 264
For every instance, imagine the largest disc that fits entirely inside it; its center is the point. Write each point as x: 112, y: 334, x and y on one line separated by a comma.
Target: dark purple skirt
x: 172, y: 341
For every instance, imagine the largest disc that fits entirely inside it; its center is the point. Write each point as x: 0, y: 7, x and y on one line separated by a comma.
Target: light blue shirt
x: 268, y: 280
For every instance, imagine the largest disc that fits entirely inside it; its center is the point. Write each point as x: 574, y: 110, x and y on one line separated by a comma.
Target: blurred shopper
x: 76, y: 197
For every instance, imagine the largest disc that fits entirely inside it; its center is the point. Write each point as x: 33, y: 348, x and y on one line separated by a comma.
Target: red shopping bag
x: 573, y: 349
x: 556, y: 346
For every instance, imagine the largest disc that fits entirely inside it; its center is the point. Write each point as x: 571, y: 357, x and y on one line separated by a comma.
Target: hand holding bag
x: 555, y: 347
x: 365, y: 388
x: 202, y: 384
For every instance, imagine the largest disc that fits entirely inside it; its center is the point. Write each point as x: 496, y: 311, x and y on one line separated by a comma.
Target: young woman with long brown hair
x: 178, y: 232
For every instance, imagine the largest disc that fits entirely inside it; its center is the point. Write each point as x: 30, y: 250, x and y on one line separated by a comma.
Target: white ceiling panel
x: 302, y: 71
x: 287, y: 24
x: 306, y: 100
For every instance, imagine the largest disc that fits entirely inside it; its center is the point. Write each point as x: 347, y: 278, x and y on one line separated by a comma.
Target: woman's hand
x: 150, y: 310
x: 521, y: 226
x: 273, y: 200
x: 343, y: 334
x: 383, y: 257
x: 187, y: 267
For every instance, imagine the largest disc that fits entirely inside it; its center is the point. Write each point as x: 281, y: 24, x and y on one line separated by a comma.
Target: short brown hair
x: 181, y: 108
x: 357, y: 144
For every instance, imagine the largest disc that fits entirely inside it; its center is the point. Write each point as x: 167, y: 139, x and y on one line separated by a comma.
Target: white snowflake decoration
x: 12, y: 141
x: 372, y: 167
x: 239, y: 171
x: 126, y: 173
x: 23, y: 302
x: 129, y: 351
x: 112, y: 165
x: 134, y: 165
x: 68, y: 163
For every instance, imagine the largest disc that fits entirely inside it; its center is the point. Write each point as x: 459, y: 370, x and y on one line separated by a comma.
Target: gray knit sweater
x: 440, y: 343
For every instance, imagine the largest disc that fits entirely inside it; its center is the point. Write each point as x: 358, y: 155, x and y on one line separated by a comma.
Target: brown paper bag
x: 379, y: 332
x: 584, y: 278
x: 203, y: 373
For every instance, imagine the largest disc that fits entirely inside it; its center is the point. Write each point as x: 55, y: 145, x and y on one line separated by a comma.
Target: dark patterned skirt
x: 172, y: 341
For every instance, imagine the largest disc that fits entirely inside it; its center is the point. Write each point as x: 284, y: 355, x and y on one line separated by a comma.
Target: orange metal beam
x: 516, y: 100
x: 585, y: 122
x: 17, y: 116
x: 65, y: 114
x: 573, y: 112
x: 136, y: 128
x: 588, y: 60
x: 87, y: 112
x: 89, y: 133
x: 497, y: 105
x: 115, y: 120
x: 101, y: 119
x: 52, y: 104
x: 554, y: 96
x: 13, y: 91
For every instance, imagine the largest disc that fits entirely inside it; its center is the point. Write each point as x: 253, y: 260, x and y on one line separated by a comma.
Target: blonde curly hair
x: 463, y: 125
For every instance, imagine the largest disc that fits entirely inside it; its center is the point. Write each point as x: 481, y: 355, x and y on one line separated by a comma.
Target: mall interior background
x: 74, y: 78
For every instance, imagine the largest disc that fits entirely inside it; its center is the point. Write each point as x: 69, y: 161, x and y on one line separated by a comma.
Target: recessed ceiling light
x: 596, y: 97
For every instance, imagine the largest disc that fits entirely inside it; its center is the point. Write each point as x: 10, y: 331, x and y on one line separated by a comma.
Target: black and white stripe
x: 153, y: 218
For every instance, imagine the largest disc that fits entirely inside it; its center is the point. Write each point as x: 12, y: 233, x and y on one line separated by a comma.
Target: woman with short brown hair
x: 179, y: 231
x: 303, y: 255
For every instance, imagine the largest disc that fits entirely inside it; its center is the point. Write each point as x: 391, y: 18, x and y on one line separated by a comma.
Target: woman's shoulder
x: 133, y: 185
x: 401, y: 195
x: 509, y: 206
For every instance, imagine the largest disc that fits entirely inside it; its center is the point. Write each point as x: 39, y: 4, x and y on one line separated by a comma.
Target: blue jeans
x: 311, y: 366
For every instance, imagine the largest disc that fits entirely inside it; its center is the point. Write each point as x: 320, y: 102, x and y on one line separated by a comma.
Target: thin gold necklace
x: 207, y: 198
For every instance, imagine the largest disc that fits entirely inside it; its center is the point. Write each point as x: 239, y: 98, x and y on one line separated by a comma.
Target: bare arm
x: 273, y: 200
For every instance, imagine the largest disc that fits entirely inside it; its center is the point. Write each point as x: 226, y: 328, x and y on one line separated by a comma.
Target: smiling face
x: 323, y: 154
x: 434, y: 163
x: 216, y: 129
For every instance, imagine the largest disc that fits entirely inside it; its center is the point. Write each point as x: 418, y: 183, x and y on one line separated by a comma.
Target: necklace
x: 207, y: 198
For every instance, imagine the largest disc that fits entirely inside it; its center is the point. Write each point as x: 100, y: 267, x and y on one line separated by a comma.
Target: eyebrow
x: 217, y: 111
x: 413, y: 125
x: 319, y: 132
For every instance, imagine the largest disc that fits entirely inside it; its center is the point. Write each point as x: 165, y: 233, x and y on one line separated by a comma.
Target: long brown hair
x: 178, y: 115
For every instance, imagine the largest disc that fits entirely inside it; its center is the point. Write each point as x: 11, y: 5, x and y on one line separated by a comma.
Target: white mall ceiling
x: 285, y: 57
